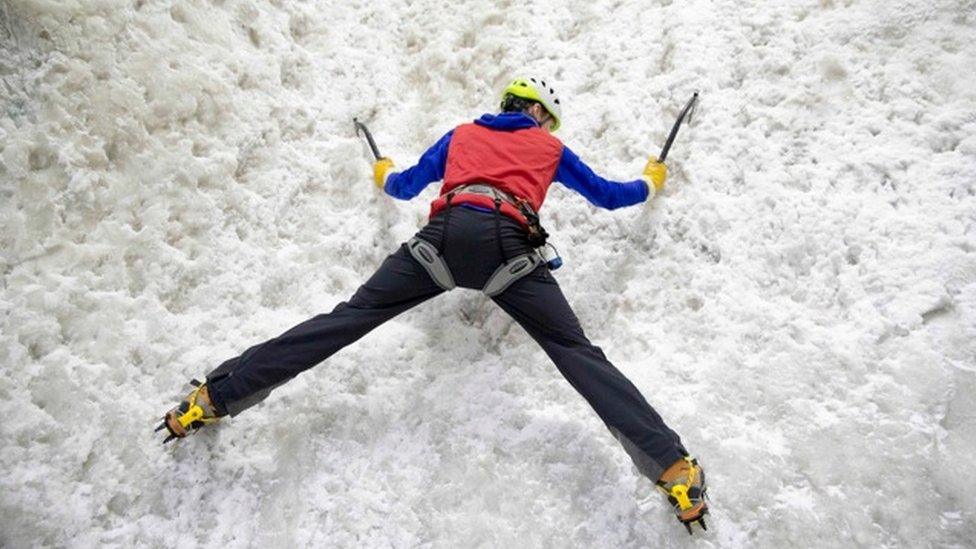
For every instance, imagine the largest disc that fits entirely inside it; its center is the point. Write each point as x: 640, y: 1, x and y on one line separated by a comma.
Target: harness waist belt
x: 485, y: 189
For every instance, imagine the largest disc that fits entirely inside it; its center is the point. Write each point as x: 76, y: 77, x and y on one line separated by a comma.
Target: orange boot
x: 193, y: 412
x: 684, y: 485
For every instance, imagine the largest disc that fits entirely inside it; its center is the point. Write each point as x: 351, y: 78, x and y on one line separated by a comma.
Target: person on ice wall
x: 483, y: 234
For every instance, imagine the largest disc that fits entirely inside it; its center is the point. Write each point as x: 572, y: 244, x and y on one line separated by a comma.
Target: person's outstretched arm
x: 604, y: 193
x: 410, y: 182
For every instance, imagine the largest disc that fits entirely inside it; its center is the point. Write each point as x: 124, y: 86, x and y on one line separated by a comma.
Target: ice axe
x: 360, y: 127
x: 687, y: 111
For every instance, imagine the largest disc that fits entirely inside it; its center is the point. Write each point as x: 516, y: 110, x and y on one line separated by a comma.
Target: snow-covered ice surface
x: 180, y: 180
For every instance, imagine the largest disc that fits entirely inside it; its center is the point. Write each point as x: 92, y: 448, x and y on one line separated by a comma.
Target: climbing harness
x: 432, y: 261
x: 431, y: 257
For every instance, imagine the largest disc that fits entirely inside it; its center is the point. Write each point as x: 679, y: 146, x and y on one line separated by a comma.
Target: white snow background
x: 180, y: 180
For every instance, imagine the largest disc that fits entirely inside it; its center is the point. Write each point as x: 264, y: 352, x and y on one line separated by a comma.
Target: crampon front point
x: 193, y: 412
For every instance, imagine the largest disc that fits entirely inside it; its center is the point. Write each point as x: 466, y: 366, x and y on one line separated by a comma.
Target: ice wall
x: 180, y: 180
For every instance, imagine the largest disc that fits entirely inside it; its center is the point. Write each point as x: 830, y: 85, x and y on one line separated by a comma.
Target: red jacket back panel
x: 520, y: 162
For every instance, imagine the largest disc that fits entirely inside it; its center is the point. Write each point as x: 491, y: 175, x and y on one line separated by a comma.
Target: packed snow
x: 180, y: 180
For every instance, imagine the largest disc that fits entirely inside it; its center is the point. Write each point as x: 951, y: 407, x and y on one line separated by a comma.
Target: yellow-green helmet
x: 536, y: 90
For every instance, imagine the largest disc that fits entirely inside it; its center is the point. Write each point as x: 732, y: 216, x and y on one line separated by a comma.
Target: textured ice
x: 180, y: 180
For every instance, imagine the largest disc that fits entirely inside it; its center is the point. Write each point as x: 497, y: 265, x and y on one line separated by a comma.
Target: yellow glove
x: 655, y: 173
x: 381, y: 170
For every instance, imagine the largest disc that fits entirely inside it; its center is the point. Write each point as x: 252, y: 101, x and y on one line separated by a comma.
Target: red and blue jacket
x: 511, y: 152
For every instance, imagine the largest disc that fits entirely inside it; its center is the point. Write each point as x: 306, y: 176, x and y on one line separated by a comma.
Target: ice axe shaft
x: 360, y: 127
x: 689, y: 107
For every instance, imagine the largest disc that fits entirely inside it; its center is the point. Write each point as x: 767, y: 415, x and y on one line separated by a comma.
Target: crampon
x: 193, y: 412
x: 687, y: 494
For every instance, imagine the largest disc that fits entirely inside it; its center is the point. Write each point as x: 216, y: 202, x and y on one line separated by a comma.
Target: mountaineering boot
x: 684, y: 485
x: 193, y: 412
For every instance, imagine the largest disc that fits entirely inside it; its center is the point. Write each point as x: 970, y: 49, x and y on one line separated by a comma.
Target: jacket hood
x: 507, y: 121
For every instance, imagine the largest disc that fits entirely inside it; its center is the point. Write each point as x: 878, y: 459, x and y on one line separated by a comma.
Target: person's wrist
x: 651, y: 188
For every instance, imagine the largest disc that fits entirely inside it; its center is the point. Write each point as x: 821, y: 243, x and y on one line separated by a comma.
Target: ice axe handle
x: 360, y: 127
x: 677, y: 124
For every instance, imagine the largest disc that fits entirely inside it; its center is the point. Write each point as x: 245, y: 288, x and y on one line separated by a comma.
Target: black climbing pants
x: 472, y: 253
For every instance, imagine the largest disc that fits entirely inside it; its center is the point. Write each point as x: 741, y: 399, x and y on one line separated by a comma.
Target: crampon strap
x: 192, y: 413
x: 685, y: 494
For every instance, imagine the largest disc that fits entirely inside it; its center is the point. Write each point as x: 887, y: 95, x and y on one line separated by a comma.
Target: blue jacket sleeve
x: 408, y: 183
x: 576, y: 175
